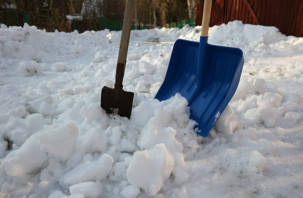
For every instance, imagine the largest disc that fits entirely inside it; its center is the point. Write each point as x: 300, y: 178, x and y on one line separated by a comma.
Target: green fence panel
x: 139, y: 27
x: 181, y: 24
x: 178, y: 24
x: 109, y: 24
x: 25, y: 18
x: 192, y: 22
x: 15, y: 18
x: 51, y: 22
x: 104, y: 23
x: 184, y: 23
x: 11, y: 18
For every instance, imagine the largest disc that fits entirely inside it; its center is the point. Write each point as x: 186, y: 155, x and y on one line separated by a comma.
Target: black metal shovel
x: 117, y: 98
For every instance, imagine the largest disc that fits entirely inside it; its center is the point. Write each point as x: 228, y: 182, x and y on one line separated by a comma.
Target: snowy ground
x: 55, y: 140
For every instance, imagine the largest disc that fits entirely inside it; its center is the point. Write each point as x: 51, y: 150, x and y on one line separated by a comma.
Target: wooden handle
x: 206, y: 17
x: 127, y: 24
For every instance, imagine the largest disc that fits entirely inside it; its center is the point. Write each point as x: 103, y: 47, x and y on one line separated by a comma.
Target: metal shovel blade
x: 116, y: 98
x: 206, y: 75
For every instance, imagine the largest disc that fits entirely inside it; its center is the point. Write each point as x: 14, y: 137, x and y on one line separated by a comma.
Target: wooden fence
x: 287, y: 15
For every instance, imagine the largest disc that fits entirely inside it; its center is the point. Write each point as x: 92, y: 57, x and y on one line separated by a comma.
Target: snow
x: 155, y: 164
x: 89, y: 171
x: 88, y: 189
x: 56, y: 141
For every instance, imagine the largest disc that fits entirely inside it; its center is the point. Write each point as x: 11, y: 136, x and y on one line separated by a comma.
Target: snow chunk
x: 127, y: 146
x: 57, y: 141
x: 56, y: 194
x: 87, y: 189
x: 154, y: 134
x: 42, y: 105
x: 148, y: 169
x: 99, y: 57
x: 291, y: 118
x: 259, y: 85
x: 181, y: 175
x: 34, y: 122
x: 146, y: 67
x: 142, y: 87
x: 29, y: 68
x: 252, y: 86
x: 130, y: 191
x: 60, y: 141
x: 228, y: 121
x: 93, y: 141
x: 17, y: 163
x: 115, y: 135
x: 89, y: 171
x: 148, y: 107
x: 60, y: 66
x: 257, y: 162
x: 268, y: 115
x: 159, y: 127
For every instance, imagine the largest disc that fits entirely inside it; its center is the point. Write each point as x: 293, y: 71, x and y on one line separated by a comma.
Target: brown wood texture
x: 286, y: 15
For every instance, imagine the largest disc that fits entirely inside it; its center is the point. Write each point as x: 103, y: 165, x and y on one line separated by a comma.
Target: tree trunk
x: 155, y: 18
x: 189, y: 9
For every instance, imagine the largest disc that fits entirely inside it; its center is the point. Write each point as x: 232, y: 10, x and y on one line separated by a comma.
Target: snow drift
x: 55, y: 140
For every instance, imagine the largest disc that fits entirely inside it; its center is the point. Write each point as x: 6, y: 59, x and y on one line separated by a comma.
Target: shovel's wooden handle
x: 206, y: 17
x: 127, y: 24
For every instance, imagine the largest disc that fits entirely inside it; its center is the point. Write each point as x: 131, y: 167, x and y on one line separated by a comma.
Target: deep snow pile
x: 55, y: 140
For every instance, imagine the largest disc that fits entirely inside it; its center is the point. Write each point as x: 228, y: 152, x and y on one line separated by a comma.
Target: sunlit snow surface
x: 56, y: 141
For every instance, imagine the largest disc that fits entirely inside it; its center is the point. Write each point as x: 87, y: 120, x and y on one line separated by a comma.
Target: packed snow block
x: 259, y: 85
x: 25, y: 159
x: 99, y: 57
x: 89, y: 171
x: 57, y: 142
x: 154, y: 134
x: 291, y: 118
x: 34, y: 122
x: 148, y: 169
x: 56, y: 194
x: 161, y: 127
x: 130, y: 191
x: 148, y: 107
x: 19, y: 50
x: 228, y: 122
x: 42, y: 105
x: 142, y: 86
x: 92, y: 141
x: 252, y: 86
x: 15, y: 130
x: 87, y: 189
x: 146, y: 67
x: 116, y: 134
x: 30, y: 68
x: 60, y: 141
x: 60, y: 67
x: 257, y: 162
x: 268, y: 116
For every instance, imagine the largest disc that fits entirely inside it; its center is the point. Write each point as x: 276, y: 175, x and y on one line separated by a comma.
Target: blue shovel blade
x: 181, y: 75
x: 206, y: 75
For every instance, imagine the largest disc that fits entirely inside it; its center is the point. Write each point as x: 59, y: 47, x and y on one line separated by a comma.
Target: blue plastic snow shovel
x: 206, y: 75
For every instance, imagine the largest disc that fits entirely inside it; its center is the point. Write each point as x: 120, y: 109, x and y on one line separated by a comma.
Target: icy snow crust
x: 55, y: 140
